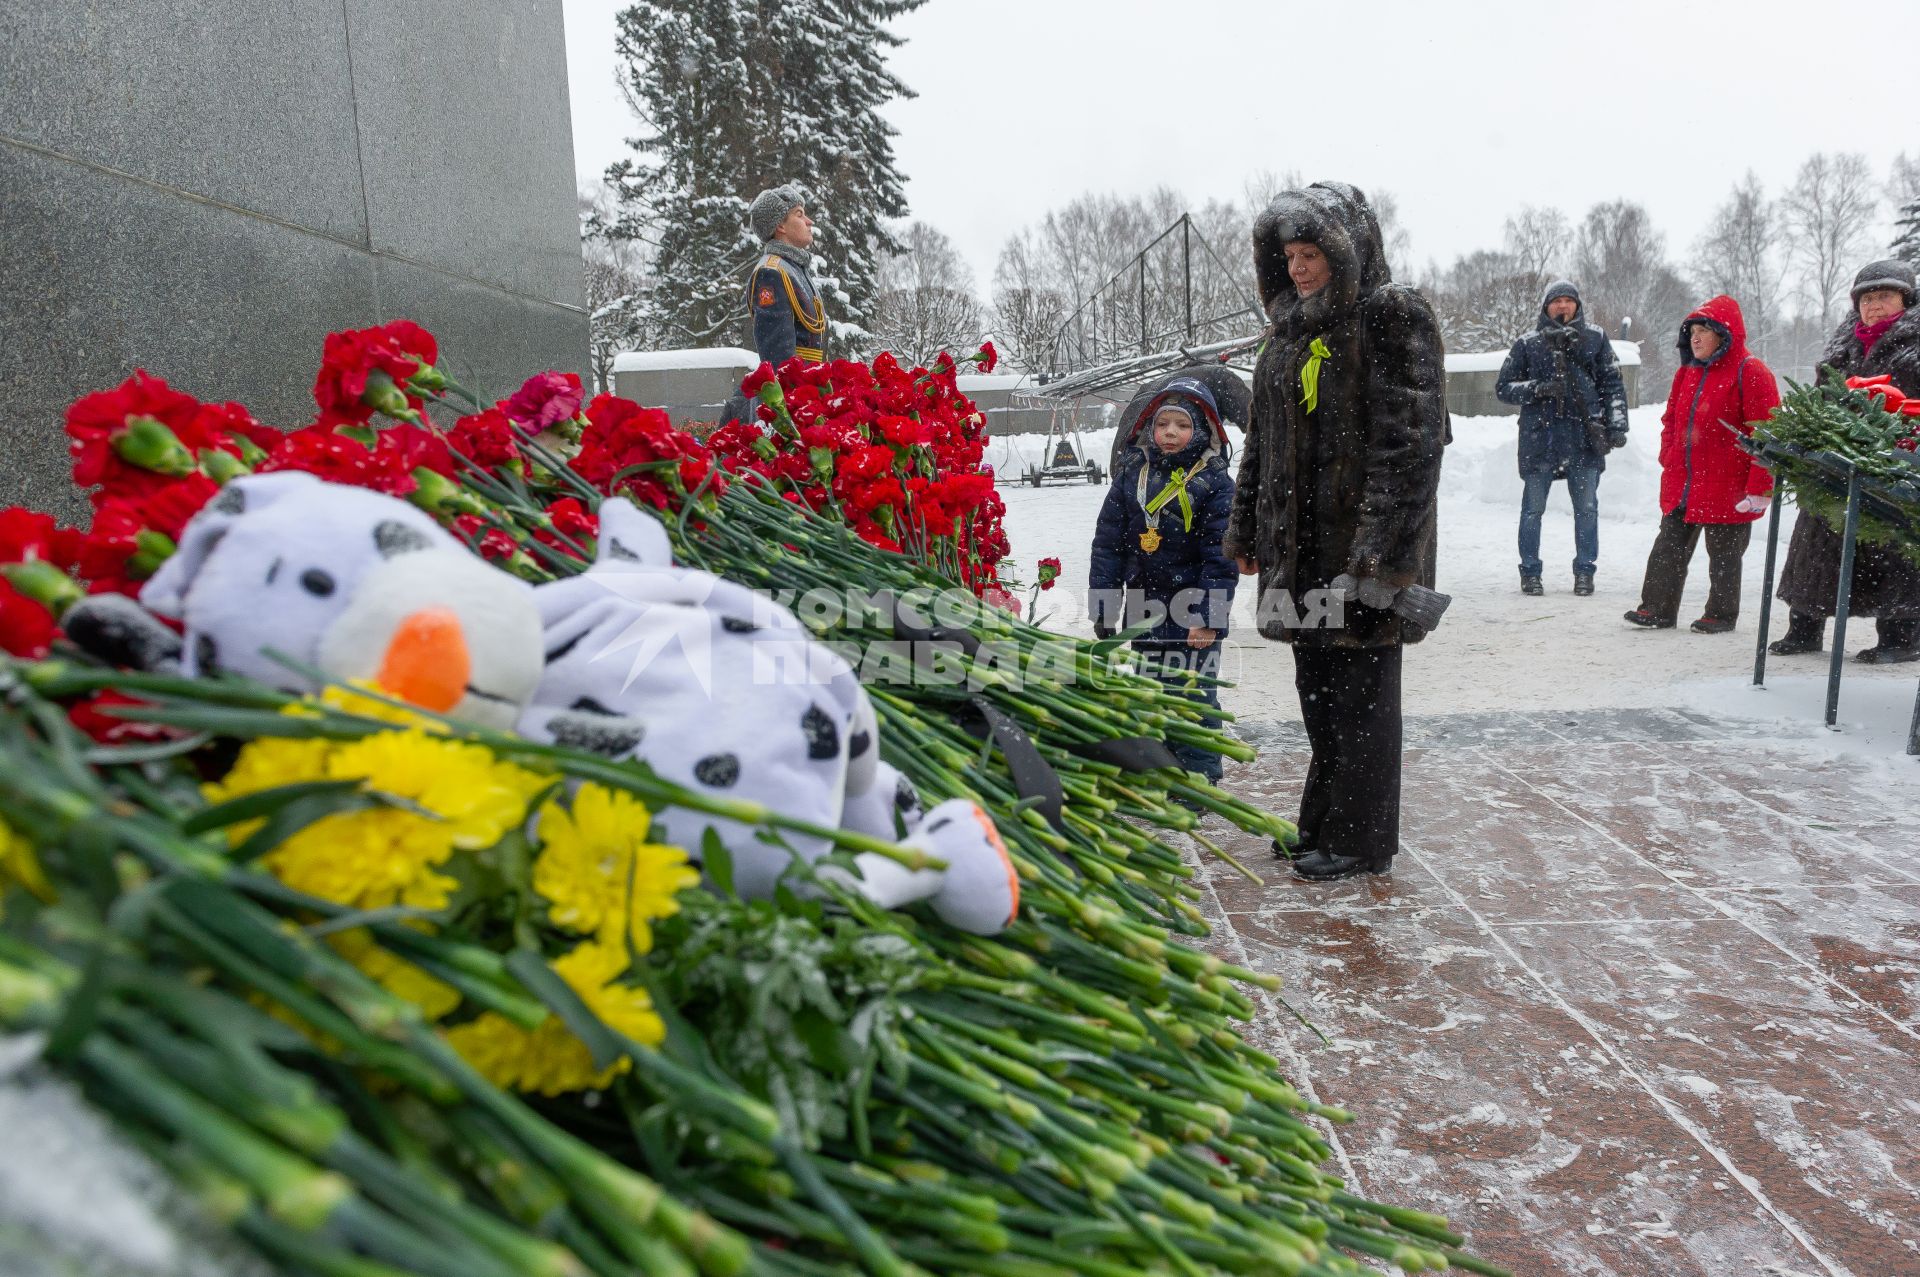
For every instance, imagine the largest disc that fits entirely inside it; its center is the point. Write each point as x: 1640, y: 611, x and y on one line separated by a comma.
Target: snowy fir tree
x: 733, y: 97
x: 1906, y: 234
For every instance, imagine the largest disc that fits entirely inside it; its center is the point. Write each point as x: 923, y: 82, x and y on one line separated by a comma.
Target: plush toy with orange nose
x: 358, y: 585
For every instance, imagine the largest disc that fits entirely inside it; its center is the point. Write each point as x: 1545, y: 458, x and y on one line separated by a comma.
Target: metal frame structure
x: 1047, y: 471
x: 1070, y: 352
x: 1843, y: 598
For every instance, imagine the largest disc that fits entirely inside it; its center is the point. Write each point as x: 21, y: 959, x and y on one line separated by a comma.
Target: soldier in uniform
x: 789, y: 319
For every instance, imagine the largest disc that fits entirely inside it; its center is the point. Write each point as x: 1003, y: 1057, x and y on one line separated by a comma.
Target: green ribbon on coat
x: 1317, y: 353
x: 1176, y: 487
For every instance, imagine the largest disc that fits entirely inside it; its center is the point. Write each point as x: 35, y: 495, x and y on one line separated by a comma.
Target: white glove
x: 1753, y: 505
x: 1365, y: 590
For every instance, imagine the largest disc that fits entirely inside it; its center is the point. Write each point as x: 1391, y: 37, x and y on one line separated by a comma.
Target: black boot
x: 1323, y: 867
x: 1899, y: 642
x: 1804, y: 634
x: 1583, y: 583
x: 1531, y: 585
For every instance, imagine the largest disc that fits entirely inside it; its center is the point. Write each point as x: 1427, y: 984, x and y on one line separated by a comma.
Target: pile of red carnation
x: 894, y: 451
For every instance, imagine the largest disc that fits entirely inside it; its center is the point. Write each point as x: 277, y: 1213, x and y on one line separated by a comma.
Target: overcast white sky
x: 1464, y: 111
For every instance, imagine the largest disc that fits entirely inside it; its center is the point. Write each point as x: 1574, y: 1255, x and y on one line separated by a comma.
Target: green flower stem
x: 294, y: 1191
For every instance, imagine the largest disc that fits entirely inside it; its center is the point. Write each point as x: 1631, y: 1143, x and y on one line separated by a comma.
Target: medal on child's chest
x: 1176, y: 489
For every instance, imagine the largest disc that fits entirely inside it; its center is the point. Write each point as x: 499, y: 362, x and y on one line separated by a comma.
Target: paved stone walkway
x: 1641, y: 996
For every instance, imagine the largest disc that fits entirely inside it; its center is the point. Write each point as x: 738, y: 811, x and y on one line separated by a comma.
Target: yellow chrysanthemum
x: 600, y: 874
x: 266, y: 763
x: 458, y: 796
x: 19, y: 864
x: 350, y: 700
x: 396, y: 975
x: 551, y: 1060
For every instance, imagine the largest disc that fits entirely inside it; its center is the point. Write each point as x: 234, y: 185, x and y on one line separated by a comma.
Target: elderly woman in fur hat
x: 1882, y: 335
x: 1336, y: 501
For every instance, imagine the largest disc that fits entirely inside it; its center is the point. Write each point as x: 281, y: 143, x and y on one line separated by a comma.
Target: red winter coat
x: 1700, y: 463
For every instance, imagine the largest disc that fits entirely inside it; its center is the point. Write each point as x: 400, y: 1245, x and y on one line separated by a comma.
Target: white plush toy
x: 710, y: 685
x: 718, y: 688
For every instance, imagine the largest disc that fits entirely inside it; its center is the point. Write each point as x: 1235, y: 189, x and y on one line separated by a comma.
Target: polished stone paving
x: 1641, y: 996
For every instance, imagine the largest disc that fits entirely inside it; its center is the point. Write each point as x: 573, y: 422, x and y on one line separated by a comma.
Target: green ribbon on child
x: 1317, y: 353
x: 1176, y: 487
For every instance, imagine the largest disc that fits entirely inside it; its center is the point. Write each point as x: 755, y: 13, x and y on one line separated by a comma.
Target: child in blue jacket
x: 1156, y: 547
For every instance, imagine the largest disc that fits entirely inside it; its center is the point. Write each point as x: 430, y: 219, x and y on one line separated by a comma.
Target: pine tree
x: 735, y: 96
x: 1906, y: 233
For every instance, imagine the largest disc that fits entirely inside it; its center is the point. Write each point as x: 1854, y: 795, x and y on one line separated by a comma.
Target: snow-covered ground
x: 1498, y: 649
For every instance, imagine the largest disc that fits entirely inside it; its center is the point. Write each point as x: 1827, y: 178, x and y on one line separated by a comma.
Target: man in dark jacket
x: 1573, y: 411
x: 788, y: 318
x: 1881, y: 336
x: 1156, y: 546
x: 1337, y: 495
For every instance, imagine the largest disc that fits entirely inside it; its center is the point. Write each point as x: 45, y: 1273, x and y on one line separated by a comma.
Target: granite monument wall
x: 205, y: 188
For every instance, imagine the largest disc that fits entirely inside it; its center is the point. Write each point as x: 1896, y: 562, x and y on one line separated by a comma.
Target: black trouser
x: 1350, y: 701
x: 1891, y: 632
x: 1673, y: 550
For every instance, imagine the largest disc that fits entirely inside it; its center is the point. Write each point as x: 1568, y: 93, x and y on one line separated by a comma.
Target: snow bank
x: 972, y: 384
x: 1625, y: 353
x: 1483, y: 466
x: 684, y: 360
x: 1874, y: 717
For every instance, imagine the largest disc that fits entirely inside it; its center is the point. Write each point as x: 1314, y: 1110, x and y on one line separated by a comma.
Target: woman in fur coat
x: 1881, y: 336
x: 1336, y: 500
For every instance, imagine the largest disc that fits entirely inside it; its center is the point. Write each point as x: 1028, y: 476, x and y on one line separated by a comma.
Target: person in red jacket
x: 1707, y: 483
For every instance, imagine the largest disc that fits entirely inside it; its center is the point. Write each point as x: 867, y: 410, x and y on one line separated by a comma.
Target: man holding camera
x: 1573, y: 411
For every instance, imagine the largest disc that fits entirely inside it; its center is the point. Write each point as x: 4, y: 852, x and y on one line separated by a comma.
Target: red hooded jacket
x: 1700, y: 463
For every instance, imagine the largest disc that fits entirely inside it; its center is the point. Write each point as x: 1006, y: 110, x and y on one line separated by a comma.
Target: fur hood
x: 1897, y: 352
x: 1336, y: 217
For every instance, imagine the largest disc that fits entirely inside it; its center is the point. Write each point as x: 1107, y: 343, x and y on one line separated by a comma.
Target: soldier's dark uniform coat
x: 789, y: 317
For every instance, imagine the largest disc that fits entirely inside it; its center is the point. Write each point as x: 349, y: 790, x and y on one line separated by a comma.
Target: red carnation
x: 486, y: 438
x: 109, y: 730
x: 988, y: 357
x: 169, y: 510
x: 758, y: 379
x: 493, y: 543
x: 999, y: 598
x: 1049, y: 572
x: 131, y: 537
x: 411, y: 448
x: 27, y: 536
x: 572, y: 520
x: 322, y: 451
x: 545, y: 400
x: 26, y: 627
x: 231, y: 428
x: 364, y: 370
x: 136, y: 437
